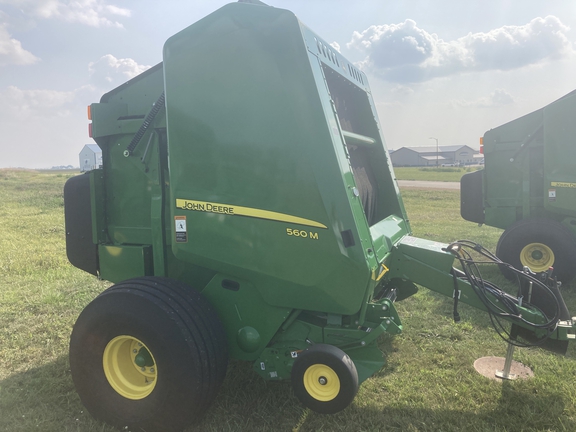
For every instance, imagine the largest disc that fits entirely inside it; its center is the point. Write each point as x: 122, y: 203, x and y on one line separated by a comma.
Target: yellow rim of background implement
x: 321, y: 382
x: 123, y: 373
x: 537, y: 256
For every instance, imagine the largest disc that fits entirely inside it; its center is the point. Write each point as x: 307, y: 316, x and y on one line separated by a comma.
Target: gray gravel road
x: 428, y: 184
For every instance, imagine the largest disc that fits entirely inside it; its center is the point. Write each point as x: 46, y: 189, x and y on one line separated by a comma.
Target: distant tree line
x: 63, y: 167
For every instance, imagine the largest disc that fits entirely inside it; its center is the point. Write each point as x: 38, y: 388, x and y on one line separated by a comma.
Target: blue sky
x: 449, y: 69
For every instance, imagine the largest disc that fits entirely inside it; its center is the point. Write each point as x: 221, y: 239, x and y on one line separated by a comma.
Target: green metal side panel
x: 529, y: 166
x: 129, y: 198
x: 560, y: 156
x: 249, y: 321
x: 259, y: 169
x: 118, y: 263
x: 510, y: 153
x: 128, y: 182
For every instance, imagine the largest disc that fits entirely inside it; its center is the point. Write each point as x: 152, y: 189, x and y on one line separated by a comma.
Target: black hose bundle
x: 499, y: 304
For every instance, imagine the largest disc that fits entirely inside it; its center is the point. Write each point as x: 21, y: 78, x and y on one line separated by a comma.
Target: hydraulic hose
x: 505, y: 306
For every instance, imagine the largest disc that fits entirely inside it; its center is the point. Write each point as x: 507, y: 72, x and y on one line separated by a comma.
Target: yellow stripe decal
x: 234, y: 210
x: 563, y: 184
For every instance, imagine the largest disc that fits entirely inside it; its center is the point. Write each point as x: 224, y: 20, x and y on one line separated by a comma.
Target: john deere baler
x: 246, y: 208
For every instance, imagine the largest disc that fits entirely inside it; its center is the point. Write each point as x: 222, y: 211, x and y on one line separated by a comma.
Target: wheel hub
x: 537, y: 256
x: 321, y: 382
x: 143, y: 358
x: 129, y: 367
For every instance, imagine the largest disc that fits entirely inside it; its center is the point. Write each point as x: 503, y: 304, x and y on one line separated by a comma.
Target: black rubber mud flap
x: 80, y: 249
x: 471, y: 197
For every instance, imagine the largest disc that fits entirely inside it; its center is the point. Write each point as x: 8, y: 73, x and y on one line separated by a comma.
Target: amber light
x: 481, y: 145
x: 89, y: 111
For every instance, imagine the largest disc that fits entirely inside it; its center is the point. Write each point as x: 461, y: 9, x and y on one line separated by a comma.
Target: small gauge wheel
x: 324, y: 379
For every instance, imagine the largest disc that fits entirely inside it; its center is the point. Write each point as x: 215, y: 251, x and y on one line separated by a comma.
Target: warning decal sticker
x: 180, y: 229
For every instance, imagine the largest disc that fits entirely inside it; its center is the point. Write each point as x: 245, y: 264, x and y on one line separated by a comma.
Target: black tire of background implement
x: 546, y: 231
x: 340, y: 363
x: 184, y: 335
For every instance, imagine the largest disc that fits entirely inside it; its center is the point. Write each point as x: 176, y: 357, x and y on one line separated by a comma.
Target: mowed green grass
x: 449, y: 174
x: 428, y: 384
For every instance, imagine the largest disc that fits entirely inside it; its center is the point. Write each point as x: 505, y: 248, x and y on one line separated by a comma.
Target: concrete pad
x: 488, y: 366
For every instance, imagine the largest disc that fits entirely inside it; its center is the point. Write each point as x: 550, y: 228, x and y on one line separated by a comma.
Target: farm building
x: 90, y: 157
x: 427, y: 156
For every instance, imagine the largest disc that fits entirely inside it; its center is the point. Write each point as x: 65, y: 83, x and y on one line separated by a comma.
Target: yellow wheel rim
x: 321, y: 382
x: 537, y: 256
x: 129, y: 367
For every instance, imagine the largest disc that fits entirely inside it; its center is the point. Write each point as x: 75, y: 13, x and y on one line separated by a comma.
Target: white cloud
x: 41, y: 128
x: 401, y: 90
x: 24, y: 104
x: 497, y: 98
x: 406, y: 53
x: 20, y: 104
x: 11, y: 51
x: 110, y: 71
x: 115, y: 10
x: 336, y: 46
x: 95, y: 13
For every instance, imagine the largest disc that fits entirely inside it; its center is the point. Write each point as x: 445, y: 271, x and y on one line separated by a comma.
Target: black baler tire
x: 184, y: 336
x: 545, y: 231
x: 340, y: 363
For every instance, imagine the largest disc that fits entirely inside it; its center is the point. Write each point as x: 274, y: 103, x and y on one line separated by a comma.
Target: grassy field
x: 450, y: 174
x: 428, y: 384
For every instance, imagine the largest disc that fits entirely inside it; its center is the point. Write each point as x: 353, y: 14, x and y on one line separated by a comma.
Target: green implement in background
x: 528, y: 188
